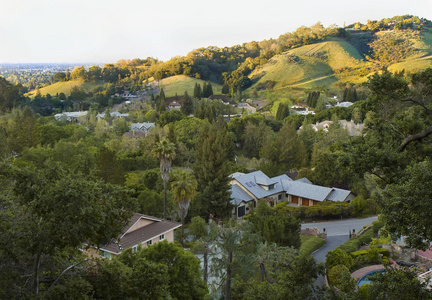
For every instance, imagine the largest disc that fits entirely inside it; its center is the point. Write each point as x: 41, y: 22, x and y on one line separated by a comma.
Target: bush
x: 366, y: 237
x: 338, y: 257
x: 340, y: 277
x: 350, y: 245
x: 382, y: 251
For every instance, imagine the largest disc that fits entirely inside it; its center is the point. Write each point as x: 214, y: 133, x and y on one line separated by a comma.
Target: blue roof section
x: 238, y: 195
x: 338, y: 195
x: 304, y: 180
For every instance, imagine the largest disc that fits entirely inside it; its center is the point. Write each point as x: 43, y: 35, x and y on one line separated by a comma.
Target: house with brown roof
x: 142, y: 230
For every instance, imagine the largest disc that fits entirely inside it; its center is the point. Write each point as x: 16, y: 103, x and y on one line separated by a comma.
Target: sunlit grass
x: 179, y: 84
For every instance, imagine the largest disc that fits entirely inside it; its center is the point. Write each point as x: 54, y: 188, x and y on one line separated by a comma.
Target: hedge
x: 382, y: 251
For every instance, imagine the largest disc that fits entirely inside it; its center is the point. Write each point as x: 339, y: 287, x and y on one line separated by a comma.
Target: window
x: 241, y: 211
x: 149, y: 243
x: 279, y: 196
x: 161, y: 237
x: 135, y: 248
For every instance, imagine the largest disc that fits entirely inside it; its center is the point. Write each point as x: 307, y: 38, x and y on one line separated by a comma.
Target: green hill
x: 65, y: 87
x: 422, y: 59
x: 311, y: 65
x: 180, y: 83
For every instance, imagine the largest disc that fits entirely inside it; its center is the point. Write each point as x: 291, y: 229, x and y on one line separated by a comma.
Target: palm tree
x: 164, y: 150
x: 184, y: 189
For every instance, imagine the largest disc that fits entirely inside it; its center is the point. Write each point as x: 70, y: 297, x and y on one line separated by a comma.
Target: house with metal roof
x: 142, y: 230
x: 247, y: 189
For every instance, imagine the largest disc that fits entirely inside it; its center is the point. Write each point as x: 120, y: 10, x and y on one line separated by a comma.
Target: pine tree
x: 161, y: 102
x: 204, y: 90
x: 225, y: 89
x: 187, y: 105
x: 283, y: 111
x: 212, y: 171
x: 197, y: 91
x: 209, y: 89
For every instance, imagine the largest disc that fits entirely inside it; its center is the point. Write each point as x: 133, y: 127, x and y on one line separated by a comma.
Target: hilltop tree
x: 9, y: 95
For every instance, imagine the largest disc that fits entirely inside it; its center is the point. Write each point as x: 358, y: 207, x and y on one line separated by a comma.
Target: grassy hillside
x: 65, y: 87
x: 181, y: 83
x: 420, y: 61
x: 311, y: 65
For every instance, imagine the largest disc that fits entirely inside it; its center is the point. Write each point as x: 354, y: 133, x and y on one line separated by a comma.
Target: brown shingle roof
x: 140, y: 235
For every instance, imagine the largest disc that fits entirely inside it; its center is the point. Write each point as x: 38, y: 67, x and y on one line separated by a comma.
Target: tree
x: 183, y: 187
x: 183, y: 269
x: 395, y: 150
x: 187, y: 105
x: 78, y: 72
x: 280, y: 229
x: 338, y: 257
x: 233, y: 241
x: 205, y: 235
x: 108, y: 166
x: 288, y: 275
x: 59, y: 76
x: 397, y: 284
x: 211, y: 170
x: 197, y: 91
x: 283, y: 111
x: 164, y: 150
x: 47, y: 214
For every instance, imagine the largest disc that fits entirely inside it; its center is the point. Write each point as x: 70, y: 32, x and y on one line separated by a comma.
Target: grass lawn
x: 310, y: 243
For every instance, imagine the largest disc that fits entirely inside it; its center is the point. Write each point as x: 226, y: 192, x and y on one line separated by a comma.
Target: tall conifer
x: 211, y: 170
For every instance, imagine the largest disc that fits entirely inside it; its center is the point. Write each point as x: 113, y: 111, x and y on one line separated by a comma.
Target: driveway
x: 340, y: 227
x: 337, y: 234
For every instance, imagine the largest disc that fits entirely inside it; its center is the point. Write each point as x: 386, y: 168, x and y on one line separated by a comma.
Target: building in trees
x: 141, y: 231
x: 247, y: 189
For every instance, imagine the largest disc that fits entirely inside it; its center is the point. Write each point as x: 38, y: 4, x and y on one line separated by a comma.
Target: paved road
x: 337, y: 234
x: 341, y: 227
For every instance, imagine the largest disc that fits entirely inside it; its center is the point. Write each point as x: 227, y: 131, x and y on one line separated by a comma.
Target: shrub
x: 350, y: 245
x: 340, y: 277
x: 366, y: 237
x: 338, y: 257
x: 382, y: 251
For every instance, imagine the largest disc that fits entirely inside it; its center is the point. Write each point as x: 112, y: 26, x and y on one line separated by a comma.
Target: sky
x: 105, y: 31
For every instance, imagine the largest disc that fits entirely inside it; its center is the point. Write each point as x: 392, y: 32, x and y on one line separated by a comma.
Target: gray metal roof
x: 142, y: 126
x: 238, y: 195
x: 304, y: 180
x: 252, y: 183
x: 338, y: 195
x: 309, y: 191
